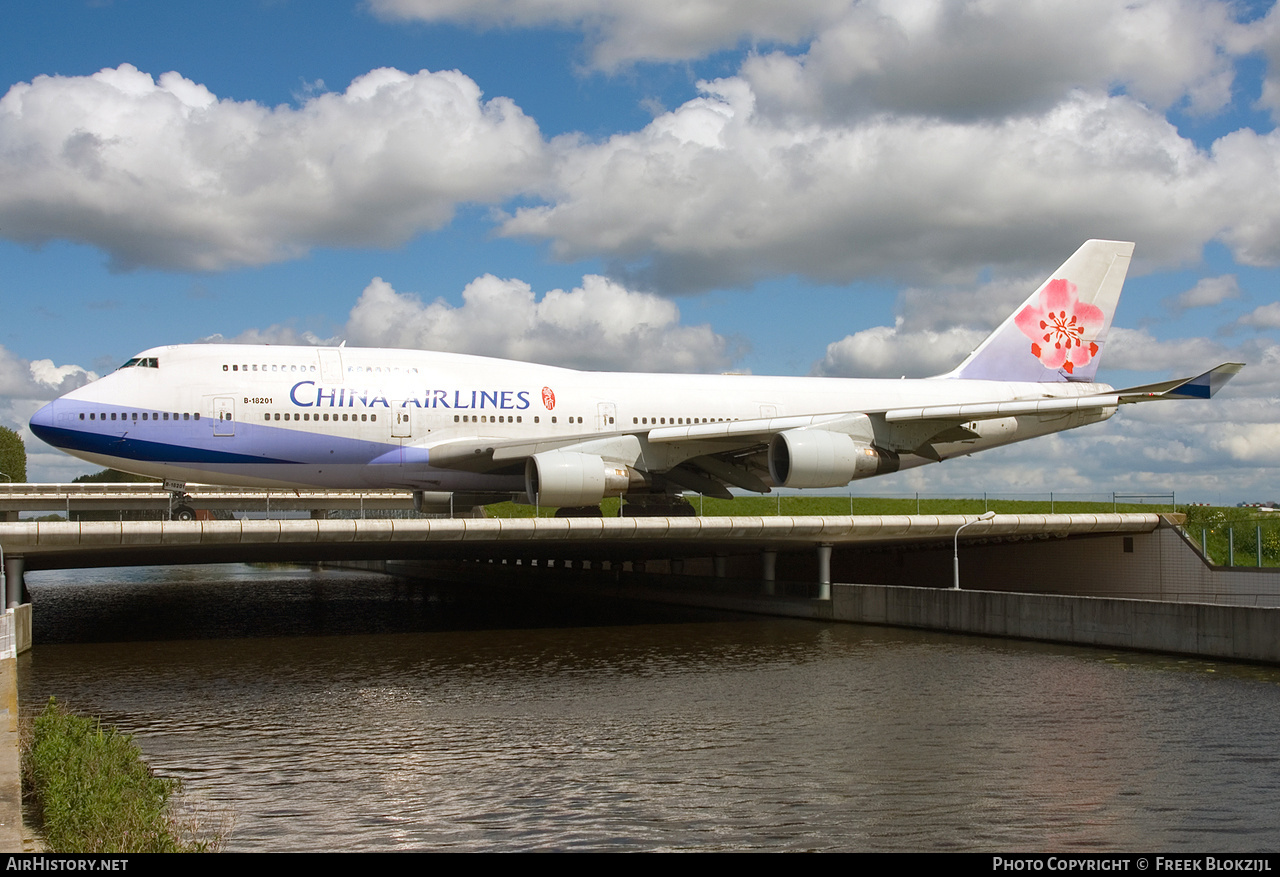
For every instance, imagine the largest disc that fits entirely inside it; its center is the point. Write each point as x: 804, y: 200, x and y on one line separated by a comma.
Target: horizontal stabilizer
x: 1202, y: 386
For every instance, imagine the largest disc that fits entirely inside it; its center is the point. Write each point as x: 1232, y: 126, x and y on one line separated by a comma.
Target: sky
x: 858, y: 188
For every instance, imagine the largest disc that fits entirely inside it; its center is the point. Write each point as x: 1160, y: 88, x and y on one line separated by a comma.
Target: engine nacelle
x: 564, y: 478
x: 818, y: 458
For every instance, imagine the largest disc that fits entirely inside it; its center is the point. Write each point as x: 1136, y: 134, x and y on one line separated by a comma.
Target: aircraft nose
x: 42, y: 423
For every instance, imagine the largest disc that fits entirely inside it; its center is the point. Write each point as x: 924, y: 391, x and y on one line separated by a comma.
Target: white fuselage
x: 352, y: 417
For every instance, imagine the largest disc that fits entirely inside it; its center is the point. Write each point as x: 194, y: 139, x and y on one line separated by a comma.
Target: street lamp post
x: 955, y: 558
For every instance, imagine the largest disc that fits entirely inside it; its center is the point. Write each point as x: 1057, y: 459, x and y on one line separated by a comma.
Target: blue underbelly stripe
x: 142, y: 450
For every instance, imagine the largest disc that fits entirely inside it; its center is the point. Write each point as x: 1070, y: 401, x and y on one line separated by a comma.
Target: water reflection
x: 679, y: 732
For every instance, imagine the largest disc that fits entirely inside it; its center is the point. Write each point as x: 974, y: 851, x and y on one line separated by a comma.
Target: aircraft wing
x: 716, y: 452
x: 1202, y: 386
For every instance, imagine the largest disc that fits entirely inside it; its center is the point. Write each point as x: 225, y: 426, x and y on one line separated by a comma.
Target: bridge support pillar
x: 769, y: 569
x: 824, y: 572
x: 15, y: 587
x: 721, y: 565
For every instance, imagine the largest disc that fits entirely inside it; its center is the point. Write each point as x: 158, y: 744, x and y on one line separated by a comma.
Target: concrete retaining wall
x: 1239, y: 633
x: 15, y: 631
x: 1159, y: 565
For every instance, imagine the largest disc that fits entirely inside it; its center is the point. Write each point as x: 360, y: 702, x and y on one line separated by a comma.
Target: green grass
x: 1217, y: 525
x: 796, y: 505
x: 93, y: 793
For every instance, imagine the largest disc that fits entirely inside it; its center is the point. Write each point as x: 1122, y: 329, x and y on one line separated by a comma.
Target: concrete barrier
x: 1238, y: 633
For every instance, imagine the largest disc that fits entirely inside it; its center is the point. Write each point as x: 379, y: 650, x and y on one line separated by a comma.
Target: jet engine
x: 818, y: 458
x: 564, y: 478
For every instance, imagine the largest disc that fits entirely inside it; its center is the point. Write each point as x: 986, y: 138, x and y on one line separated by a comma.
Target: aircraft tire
x: 183, y: 513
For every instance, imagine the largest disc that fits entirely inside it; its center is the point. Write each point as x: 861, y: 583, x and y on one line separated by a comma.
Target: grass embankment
x: 1220, y: 525
x: 93, y: 793
x: 792, y: 504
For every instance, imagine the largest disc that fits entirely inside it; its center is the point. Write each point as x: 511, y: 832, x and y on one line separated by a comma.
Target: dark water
x: 348, y: 711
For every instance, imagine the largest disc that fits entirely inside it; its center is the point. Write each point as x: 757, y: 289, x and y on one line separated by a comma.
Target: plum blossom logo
x: 548, y: 398
x: 1063, y: 328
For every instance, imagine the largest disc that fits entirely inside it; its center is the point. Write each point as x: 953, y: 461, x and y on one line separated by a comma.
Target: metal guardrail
x: 137, y: 497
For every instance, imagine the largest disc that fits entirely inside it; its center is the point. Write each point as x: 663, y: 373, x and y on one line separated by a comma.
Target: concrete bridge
x: 1130, y: 580
x: 64, y: 545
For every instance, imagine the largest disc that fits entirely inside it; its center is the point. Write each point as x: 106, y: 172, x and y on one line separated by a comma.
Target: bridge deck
x: 60, y: 544
x: 154, y: 497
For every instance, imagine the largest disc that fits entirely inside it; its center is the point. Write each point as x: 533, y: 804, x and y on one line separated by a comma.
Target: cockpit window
x: 142, y: 362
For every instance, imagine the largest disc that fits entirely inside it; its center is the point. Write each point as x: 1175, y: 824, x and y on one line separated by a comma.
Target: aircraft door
x: 330, y: 365
x: 606, y: 414
x: 224, y: 415
x: 401, y: 422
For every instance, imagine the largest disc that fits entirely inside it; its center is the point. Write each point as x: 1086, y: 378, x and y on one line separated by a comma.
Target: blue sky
x: 820, y: 187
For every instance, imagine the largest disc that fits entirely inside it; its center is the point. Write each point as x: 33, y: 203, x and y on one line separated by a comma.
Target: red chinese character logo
x: 548, y: 398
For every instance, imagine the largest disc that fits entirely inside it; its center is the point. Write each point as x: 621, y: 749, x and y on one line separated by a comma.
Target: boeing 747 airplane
x: 491, y: 429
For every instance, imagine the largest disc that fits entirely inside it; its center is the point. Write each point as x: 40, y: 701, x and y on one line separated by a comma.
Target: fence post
x: 1231, y: 546
x: 1259, y: 546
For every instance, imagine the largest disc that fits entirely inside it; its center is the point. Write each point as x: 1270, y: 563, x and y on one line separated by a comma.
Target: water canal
x: 336, y: 710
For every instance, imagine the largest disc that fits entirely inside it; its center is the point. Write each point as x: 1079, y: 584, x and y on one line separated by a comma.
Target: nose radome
x: 42, y: 422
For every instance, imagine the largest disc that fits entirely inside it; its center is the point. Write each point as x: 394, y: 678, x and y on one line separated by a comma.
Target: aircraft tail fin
x: 1060, y: 331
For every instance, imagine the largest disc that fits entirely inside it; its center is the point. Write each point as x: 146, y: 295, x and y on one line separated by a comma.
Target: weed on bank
x: 92, y: 793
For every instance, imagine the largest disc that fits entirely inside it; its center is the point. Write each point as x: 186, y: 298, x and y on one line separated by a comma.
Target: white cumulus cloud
x: 600, y: 325
x: 931, y: 56
x: 39, y: 379
x: 966, y: 60
x: 1207, y: 292
x: 1265, y: 317
x: 624, y: 31
x: 1251, y: 443
x: 890, y: 352
x: 25, y: 386
x: 1139, y: 350
x: 715, y: 193
x: 162, y: 173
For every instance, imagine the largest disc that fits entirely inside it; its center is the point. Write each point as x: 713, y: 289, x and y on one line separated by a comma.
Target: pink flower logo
x: 1063, y: 328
